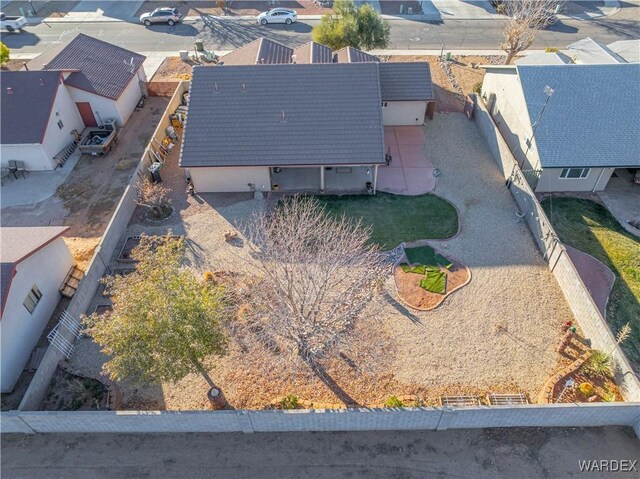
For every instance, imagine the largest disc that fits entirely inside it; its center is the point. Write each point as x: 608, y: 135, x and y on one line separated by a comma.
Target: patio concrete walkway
x: 596, y: 276
x: 622, y: 199
x: 410, y: 173
x: 36, y: 186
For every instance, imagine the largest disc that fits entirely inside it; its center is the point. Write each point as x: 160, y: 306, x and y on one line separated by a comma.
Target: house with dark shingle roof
x: 82, y: 83
x: 34, y: 262
x: 297, y: 126
x: 104, y: 80
x: 37, y: 119
x: 572, y: 126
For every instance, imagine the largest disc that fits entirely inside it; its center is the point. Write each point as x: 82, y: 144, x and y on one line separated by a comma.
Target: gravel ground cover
x: 497, y: 334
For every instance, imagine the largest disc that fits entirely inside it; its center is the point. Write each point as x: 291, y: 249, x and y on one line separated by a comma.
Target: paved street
x: 405, y: 34
x: 489, y: 453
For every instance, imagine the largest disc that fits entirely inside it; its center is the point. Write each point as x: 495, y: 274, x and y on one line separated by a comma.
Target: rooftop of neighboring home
x: 27, y: 100
x: 592, y: 118
x: 284, y: 115
x: 313, y: 52
x: 17, y: 244
x: 353, y: 55
x: 96, y: 66
x: 545, y: 58
x: 627, y: 49
x: 590, y: 51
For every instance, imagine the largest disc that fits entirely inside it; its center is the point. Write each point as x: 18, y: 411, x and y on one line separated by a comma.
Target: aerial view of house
x: 392, y: 239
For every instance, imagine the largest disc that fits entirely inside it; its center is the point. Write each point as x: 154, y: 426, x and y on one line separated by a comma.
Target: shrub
x: 599, y: 365
x: 393, y: 401
x: 587, y: 389
x: 477, y: 88
x: 290, y: 401
x: 208, y: 276
x: 609, y: 396
x: 551, y: 50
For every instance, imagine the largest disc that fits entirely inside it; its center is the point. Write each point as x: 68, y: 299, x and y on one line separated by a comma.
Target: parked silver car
x: 278, y: 15
x: 170, y: 16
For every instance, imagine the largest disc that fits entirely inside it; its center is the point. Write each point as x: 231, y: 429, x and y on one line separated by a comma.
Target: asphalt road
x: 405, y: 34
x: 489, y: 453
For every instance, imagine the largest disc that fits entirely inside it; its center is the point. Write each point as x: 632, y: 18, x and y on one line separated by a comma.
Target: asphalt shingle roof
x: 98, y: 67
x: 16, y: 244
x: 332, y: 116
x: 27, y: 99
x: 593, y: 117
x: 405, y: 81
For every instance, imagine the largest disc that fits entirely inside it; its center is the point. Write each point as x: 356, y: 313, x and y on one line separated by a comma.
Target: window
x: 32, y: 299
x: 385, y: 104
x: 60, y: 124
x: 574, y: 173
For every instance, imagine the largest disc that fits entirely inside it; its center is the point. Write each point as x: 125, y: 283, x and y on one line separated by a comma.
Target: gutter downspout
x: 375, y: 179
x: 597, y: 181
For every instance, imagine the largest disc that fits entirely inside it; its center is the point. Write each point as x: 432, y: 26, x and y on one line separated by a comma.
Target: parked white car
x: 278, y: 15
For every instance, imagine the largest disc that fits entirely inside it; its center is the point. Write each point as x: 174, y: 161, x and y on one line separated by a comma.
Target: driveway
x: 477, y: 453
x: 410, y: 173
x: 622, y: 199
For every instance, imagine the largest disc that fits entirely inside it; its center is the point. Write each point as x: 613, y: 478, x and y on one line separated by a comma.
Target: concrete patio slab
x: 419, y: 180
x: 413, y: 156
x: 37, y: 186
x: 396, y: 161
x: 622, y: 199
x: 390, y: 136
x: 410, y: 135
x: 597, y: 277
x: 392, y: 180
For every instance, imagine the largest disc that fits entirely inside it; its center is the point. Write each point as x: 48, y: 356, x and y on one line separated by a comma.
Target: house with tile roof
x: 297, y: 126
x: 570, y: 126
x: 45, y: 106
x: 34, y: 262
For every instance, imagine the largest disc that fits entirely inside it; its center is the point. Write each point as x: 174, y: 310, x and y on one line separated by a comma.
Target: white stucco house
x: 82, y: 83
x: 570, y: 126
x: 34, y: 264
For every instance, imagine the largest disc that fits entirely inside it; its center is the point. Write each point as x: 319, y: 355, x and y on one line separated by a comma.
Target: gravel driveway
x: 501, y: 330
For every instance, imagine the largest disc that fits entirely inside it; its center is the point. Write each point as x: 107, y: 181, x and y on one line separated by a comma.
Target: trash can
x: 199, y: 45
x: 154, y: 169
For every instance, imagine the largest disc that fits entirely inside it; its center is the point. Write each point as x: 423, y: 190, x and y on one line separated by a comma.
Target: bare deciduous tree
x: 526, y: 17
x: 316, y: 275
x: 155, y: 197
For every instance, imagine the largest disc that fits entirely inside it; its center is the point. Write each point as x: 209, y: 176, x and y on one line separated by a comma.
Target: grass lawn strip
x: 394, y: 219
x: 589, y: 227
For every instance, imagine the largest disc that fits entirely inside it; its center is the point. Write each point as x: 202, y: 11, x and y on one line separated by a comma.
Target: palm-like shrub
x: 599, y: 365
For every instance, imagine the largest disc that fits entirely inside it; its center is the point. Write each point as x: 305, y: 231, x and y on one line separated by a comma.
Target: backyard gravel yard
x: 496, y: 334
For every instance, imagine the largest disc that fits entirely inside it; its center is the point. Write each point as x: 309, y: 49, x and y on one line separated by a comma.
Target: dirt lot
x: 89, y: 195
x: 174, y: 69
x: 450, y: 94
x: 234, y: 7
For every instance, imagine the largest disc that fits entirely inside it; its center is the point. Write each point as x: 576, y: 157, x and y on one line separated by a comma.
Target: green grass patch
x: 589, y: 227
x: 394, y: 218
x: 435, y: 281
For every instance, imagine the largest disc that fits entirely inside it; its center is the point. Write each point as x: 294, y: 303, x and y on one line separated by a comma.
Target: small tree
x: 526, y: 17
x: 348, y: 25
x: 4, y: 54
x: 165, y: 321
x: 316, y: 276
x: 155, y: 197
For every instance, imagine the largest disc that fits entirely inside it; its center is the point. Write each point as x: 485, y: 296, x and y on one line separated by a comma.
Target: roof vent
x: 215, y: 87
x: 244, y: 87
x: 9, y: 90
x: 41, y: 82
x: 283, y: 119
x: 294, y: 58
x: 262, y: 60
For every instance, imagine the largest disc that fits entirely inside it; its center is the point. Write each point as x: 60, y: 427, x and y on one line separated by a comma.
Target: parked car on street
x: 11, y: 24
x: 278, y: 15
x: 170, y: 16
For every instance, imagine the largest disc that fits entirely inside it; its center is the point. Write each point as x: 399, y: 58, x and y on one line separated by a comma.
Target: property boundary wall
x: 584, y: 309
x: 111, y: 239
x: 553, y: 415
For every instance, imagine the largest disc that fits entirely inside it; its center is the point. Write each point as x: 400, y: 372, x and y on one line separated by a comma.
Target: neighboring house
x: 571, y: 126
x: 592, y: 52
x: 38, y: 118
x: 34, y: 264
x: 46, y: 105
x: 312, y: 52
x: 105, y: 81
x: 627, y: 49
x: 353, y: 55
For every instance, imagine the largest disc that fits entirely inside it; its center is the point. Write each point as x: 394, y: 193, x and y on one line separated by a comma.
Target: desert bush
x: 393, y: 401
x: 587, y: 389
x: 154, y: 196
x: 290, y: 401
x: 599, y: 365
x: 477, y: 88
